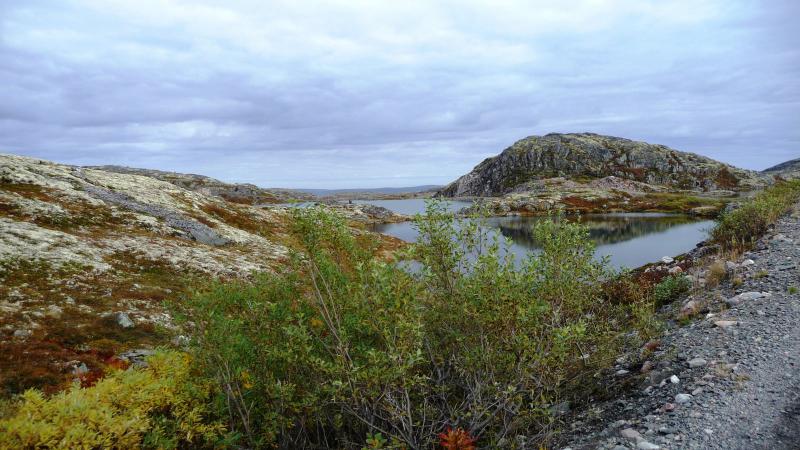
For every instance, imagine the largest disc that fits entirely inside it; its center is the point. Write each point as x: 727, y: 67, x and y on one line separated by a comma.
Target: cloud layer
x: 351, y: 93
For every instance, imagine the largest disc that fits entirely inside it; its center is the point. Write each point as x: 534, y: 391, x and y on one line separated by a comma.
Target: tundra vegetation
x: 340, y: 348
x: 738, y: 228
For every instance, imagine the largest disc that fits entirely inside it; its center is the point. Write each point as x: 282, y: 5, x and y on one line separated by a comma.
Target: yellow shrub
x: 160, y: 406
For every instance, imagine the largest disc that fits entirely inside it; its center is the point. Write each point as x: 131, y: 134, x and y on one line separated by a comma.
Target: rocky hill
x: 586, y: 156
x: 88, y: 257
x: 238, y: 193
x: 788, y: 169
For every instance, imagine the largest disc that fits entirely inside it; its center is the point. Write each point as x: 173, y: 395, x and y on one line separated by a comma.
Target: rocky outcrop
x: 237, y: 193
x: 588, y: 156
x: 785, y: 170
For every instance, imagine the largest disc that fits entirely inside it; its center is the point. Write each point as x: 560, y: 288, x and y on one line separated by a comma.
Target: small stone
x: 697, y: 392
x: 54, y: 311
x: 667, y: 260
x: 748, y: 262
x: 675, y: 270
x: 683, y: 398
x: 690, y: 308
x: 674, y: 379
x: 697, y: 362
x: 23, y: 334
x: 725, y: 323
x: 644, y: 445
x: 80, y: 369
x: 630, y: 434
x: 730, y: 266
x: 668, y: 407
x: 124, y: 320
x: 622, y: 372
x: 708, y: 431
x: 647, y: 367
x: 744, y: 297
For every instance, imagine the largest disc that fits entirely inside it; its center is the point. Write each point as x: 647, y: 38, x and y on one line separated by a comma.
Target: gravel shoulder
x: 729, y: 379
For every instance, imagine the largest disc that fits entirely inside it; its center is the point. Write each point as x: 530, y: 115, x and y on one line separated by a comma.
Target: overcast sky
x: 358, y: 93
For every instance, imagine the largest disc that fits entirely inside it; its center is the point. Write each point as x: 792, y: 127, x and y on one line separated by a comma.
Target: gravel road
x: 728, y: 380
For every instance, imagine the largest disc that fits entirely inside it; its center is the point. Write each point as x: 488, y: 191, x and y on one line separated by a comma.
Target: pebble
x: 683, y: 398
x: 630, y: 434
x: 22, y: 334
x: 674, y: 379
x: 644, y: 445
x: 124, y: 320
x: 725, y: 323
x: 745, y: 297
x: 667, y: 260
x: 697, y: 362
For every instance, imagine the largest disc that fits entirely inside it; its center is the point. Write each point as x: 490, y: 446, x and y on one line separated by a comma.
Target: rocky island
x: 586, y: 172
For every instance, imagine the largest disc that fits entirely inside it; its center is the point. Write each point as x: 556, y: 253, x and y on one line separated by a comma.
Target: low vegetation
x: 738, y: 229
x: 162, y: 407
x: 670, y: 289
x: 343, y: 350
x: 460, y: 346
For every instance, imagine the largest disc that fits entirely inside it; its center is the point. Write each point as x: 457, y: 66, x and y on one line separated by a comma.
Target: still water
x: 628, y: 239
x: 413, y: 206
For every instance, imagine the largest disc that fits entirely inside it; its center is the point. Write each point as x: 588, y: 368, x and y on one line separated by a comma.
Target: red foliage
x: 457, y: 439
x: 91, y: 378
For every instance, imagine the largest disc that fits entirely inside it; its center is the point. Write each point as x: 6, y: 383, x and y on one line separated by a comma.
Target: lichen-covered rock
x: 595, y: 156
x: 234, y: 192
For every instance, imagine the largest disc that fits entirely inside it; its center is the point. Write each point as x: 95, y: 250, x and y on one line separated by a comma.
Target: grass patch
x: 737, y: 230
x: 237, y: 217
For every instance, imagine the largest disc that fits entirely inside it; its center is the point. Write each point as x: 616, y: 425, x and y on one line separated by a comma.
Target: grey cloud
x: 333, y: 100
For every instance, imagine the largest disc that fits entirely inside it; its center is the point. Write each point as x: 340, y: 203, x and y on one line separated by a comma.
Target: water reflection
x: 603, y: 228
x: 629, y: 240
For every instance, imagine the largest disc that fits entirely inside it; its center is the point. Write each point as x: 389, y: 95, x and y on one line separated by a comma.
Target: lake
x: 411, y: 206
x: 628, y: 239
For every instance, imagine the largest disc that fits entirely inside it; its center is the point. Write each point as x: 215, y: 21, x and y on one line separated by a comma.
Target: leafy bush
x: 670, y: 289
x: 158, y: 407
x: 738, y: 229
x: 341, y: 347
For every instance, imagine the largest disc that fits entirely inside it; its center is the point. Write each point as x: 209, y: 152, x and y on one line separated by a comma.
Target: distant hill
x: 383, y: 190
x: 237, y: 193
x: 788, y: 169
x: 583, y: 156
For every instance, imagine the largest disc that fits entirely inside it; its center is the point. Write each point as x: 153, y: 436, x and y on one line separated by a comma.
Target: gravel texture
x: 738, y: 383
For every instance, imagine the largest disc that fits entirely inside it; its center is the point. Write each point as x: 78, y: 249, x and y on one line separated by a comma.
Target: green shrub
x: 162, y: 406
x: 670, y: 289
x: 738, y: 229
x: 340, y: 346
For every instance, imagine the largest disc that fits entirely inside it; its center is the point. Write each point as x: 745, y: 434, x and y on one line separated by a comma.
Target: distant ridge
x: 788, y: 169
x: 382, y: 190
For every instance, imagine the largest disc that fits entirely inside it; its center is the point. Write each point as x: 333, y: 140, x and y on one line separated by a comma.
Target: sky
x: 373, y: 93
